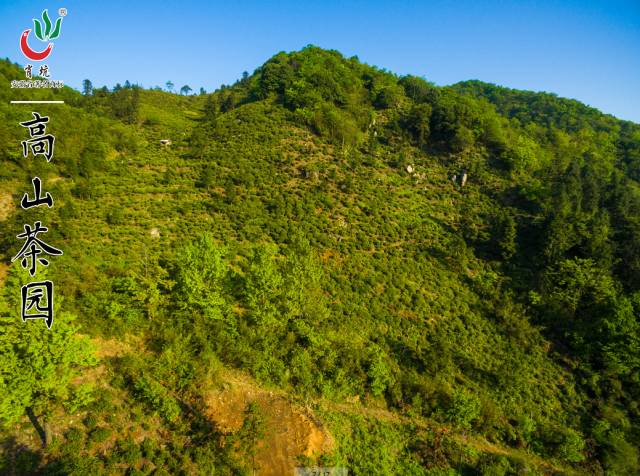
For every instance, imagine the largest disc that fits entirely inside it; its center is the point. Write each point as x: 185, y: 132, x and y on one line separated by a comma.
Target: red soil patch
x: 289, y: 430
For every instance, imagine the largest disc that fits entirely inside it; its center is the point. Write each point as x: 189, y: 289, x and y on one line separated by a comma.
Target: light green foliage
x: 464, y: 409
x: 571, y: 447
x: 156, y: 396
x: 370, y: 446
x: 264, y: 287
x: 200, y: 278
x: 524, y: 157
x: 303, y: 276
x: 38, y: 364
x: 379, y: 373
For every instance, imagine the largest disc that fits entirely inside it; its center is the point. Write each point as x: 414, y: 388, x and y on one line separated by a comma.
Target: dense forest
x: 415, y: 279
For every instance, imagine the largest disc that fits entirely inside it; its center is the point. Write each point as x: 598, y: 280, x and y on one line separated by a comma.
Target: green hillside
x: 432, y: 280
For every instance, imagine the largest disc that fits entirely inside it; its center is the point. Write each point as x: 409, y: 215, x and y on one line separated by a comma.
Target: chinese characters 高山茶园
x: 37, y: 296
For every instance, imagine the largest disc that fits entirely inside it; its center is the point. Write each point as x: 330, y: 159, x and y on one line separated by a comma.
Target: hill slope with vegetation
x: 439, y: 280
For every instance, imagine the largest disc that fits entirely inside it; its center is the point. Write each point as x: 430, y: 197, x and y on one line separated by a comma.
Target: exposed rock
x: 165, y: 141
x: 462, y: 180
x: 306, y: 173
x: 155, y: 232
x: 410, y: 168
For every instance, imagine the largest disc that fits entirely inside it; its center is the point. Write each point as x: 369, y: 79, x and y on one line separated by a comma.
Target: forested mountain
x: 327, y: 265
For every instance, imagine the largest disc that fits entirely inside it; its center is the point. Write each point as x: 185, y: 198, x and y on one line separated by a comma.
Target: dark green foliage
x: 156, y: 396
x: 99, y: 435
x: 418, y: 122
x: 125, y: 103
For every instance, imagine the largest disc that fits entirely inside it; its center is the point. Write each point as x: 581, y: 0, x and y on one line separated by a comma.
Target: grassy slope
x: 385, y: 237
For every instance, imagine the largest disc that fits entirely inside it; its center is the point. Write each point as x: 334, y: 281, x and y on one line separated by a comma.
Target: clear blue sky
x: 587, y: 50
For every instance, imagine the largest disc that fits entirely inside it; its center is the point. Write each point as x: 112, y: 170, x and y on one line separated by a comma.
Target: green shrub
x: 464, y: 409
x: 156, y: 396
x: 571, y: 447
x: 100, y: 435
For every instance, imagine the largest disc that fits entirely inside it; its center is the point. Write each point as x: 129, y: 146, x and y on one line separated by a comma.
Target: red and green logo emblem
x: 45, y: 31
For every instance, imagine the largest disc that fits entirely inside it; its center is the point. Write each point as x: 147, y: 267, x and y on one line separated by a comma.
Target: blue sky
x: 587, y: 50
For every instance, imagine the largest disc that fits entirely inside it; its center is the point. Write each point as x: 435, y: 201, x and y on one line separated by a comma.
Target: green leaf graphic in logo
x: 47, y: 24
x: 56, y: 30
x: 37, y: 27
